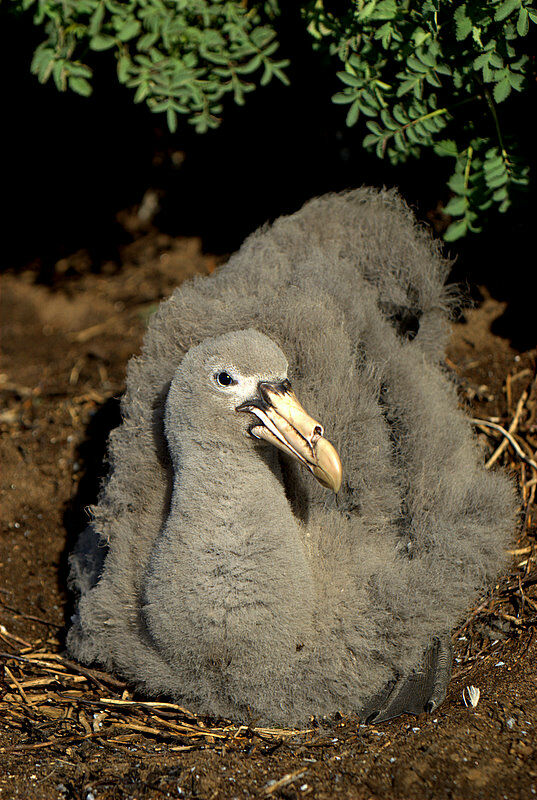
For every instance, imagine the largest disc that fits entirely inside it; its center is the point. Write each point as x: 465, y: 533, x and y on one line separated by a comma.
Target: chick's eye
x: 224, y: 379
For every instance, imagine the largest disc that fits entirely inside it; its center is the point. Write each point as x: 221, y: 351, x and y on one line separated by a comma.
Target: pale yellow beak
x: 285, y: 424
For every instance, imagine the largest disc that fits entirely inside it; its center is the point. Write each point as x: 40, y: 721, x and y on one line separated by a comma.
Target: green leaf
x: 386, y: 9
x: 80, y: 86
x: 420, y: 128
x: 380, y: 149
x: 367, y: 10
x: 129, y: 30
x: 267, y: 74
x: 500, y: 194
x: 171, y: 118
x: 506, y: 8
x: 463, y: 23
x: 416, y: 65
x: 443, y: 69
x: 502, y: 90
x: 488, y: 75
x: 123, y: 67
x: 400, y: 114
x: 456, y: 230
x: 433, y: 80
x: 476, y: 35
x: 76, y: 69
x: 400, y: 142
x: 353, y: 113
x: 516, y: 81
x: 102, y: 42
x: 482, y: 60
x: 369, y: 140
x: 388, y: 120
x: 523, y: 24
x: 456, y: 206
x: 408, y: 85
x: 341, y: 99
x: 384, y: 33
x: 367, y: 110
x: 282, y: 77
x: 370, y: 98
x: 141, y: 93
x: 349, y: 80
x: 494, y: 166
x: 456, y: 183
x: 42, y: 57
x: 500, y: 180
x: 96, y: 20
x: 518, y: 65
x: 430, y: 124
x: 147, y: 40
x: 458, y: 78
x: 355, y: 60
x: 419, y: 36
x: 58, y: 73
x: 426, y: 58
x: 374, y: 127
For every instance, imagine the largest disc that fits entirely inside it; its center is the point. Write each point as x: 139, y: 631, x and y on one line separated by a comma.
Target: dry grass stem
x: 80, y: 707
x: 284, y: 781
x: 508, y: 434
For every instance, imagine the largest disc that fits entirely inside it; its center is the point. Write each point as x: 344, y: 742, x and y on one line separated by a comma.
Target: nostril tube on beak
x: 317, y: 433
x: 269, y: 389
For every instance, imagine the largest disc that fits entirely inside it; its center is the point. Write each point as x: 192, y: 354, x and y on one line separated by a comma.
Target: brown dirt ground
x: 65, y: 349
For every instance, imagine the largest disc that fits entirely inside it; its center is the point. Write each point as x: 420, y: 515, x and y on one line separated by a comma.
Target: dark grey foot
x: 423, y: 690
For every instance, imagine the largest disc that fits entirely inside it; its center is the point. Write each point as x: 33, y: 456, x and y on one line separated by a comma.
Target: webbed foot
x: 422, y: 690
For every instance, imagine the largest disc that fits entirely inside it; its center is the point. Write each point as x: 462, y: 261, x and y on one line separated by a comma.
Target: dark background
x: 71, y: 163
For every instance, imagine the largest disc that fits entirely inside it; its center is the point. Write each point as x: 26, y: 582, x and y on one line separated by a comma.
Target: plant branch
x: 492, y: 109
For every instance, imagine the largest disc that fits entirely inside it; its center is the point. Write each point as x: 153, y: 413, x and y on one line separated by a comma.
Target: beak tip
x: 328, y: 469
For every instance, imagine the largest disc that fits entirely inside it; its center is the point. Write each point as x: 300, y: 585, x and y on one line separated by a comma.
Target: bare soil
x: 65, y: 348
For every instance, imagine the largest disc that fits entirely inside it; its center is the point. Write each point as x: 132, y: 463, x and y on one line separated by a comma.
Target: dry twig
x: 46, y: 686
x: 508, y: 434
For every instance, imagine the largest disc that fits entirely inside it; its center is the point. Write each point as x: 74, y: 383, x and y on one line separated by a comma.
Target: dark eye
x: 224, y: 379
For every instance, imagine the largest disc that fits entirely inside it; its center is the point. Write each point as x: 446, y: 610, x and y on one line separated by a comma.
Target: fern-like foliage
x: 179, y: 56
x: 416, y: 71
x: 416, y: 74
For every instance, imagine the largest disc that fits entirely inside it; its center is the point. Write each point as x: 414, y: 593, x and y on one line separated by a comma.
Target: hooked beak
x: 285, y: 424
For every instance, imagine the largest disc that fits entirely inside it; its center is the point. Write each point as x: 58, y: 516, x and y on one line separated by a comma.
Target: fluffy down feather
x: 418, y: 529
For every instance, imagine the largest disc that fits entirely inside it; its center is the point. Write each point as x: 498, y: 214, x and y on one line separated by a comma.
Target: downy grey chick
x: 217, y: 570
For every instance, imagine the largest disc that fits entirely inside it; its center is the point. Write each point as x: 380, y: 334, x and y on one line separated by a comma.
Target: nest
x: 51, y: 702
x: 54, y: 702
